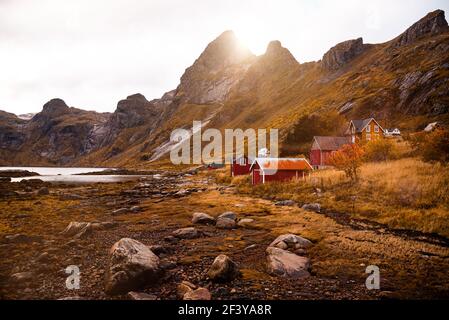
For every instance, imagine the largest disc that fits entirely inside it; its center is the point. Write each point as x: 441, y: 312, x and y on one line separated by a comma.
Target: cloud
x: 92, y: 53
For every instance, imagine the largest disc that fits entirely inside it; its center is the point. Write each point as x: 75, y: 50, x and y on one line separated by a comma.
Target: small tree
x: 348, y: 159
x: 380, y: 150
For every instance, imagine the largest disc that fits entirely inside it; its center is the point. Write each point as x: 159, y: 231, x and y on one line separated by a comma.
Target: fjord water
x: 69, y: 175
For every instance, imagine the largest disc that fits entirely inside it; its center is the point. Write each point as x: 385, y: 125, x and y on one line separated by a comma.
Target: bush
x: 380, y: 150
x: 348, y: 159
x: 433, y: 146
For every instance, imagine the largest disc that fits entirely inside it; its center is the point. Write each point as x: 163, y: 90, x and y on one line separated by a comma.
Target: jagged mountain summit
x: 402, y: 82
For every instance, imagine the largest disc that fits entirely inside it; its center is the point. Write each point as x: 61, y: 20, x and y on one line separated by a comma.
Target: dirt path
x: 410, y: 268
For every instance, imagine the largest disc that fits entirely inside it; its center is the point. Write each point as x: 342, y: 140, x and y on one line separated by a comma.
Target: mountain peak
x: 342, y: 53
x: 275, y: 51
x: 55, y: 107
x: 432, y: 24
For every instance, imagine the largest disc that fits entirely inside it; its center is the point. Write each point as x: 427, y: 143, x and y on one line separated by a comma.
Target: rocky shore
x: 182, y: 236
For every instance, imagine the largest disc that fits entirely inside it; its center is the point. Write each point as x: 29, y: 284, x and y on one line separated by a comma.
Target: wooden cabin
x: 323, y: 148
x: 264, y: 170
x: 241, y: 166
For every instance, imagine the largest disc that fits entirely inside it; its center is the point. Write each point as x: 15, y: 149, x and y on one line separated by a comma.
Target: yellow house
x: 365, y: 130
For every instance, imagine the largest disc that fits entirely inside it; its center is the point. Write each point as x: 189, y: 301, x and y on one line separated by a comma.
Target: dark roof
x: 361, y: 124
x: 332, y: 143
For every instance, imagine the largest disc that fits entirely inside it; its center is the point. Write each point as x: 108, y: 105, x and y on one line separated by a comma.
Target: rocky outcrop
x: 132, y: 265
x: 342, y: 54
x: 291, y: 242
x: 432, y: 24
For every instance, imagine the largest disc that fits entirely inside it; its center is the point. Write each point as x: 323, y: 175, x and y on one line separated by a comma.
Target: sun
x: 254, y: 40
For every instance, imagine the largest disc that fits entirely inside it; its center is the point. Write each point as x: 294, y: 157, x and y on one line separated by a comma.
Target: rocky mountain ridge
x: 402, y: 82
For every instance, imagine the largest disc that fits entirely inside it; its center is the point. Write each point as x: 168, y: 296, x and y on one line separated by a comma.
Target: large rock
x: 202, y: 218
x: 223, y: 269
x: 283, y: 263
x: 228, y: 215
x: 187, y: 233
x: 342, y: 53
x: 246, y: 223
x: 132, y: 265
x: 225, y: 223
x: 291, y: 242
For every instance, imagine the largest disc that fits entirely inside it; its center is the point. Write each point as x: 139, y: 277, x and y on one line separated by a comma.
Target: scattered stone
x: 245, y: 223
x: 198, y: 294
x: 285, y: 203
x: 131, y: 265
x: 225, y: 223
x: 251, y: 247
x: 78, y: 230
x: 120, y: 211
x: 133, y: 295
x: 43, y: 191
x: 286, y: 264
x: 72, y: 298
x: 71, y: 196
x: 315, y: 207
x: 21, y: 238
x: 223, y: 269
x: 185, y: 287
x: 228, y: 215
x: 202, y: 218
x: 291, y: 242
x: 22, y: 277
x: 171, y: 239
x: 135, y: 209
x: 186, y: 233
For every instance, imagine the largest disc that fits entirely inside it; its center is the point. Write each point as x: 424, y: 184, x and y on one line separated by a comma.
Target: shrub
x: 348, y: 159
x: 380, y: 150
x: 435, y: 146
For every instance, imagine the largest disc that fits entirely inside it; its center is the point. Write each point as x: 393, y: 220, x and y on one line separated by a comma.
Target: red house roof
x: 290, y: 164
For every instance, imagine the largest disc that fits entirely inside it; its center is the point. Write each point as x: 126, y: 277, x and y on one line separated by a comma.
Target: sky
x: 93, y: 53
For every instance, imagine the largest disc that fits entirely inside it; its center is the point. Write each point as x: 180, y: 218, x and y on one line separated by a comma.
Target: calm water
x: 70, y: 175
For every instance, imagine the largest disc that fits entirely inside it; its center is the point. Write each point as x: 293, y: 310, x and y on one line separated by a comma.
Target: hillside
x: 403, y: 83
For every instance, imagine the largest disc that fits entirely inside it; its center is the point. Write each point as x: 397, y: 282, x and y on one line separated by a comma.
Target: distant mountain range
x: 403, y: 83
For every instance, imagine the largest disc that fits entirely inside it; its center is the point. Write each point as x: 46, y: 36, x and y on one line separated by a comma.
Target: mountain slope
x: 403, y: 83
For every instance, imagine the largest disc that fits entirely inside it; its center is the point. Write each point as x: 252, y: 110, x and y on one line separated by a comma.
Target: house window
x: 368, y: 136
x: 242, y: 162
x: 376, y: 128
x: 368, y: 129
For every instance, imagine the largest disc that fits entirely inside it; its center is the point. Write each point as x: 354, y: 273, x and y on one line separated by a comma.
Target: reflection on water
x: 70, y: 175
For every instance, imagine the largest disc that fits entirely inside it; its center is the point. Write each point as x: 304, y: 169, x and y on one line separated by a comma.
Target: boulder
x: 79, y: 230
x: 185, y: 287
x: 245, y: 223
x: 225, y: 223
x: 43, y: 191
x: 223, y: 269
x: 228, y: 215
x: 202, y: 218
x: 283, y: 263
x: 186, y: 233
x: 315, y: 207
x: 201, y: 294
x: 291, y: 242
x: 131, y: 266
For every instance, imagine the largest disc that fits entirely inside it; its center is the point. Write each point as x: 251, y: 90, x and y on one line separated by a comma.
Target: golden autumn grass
x: 405, y: 194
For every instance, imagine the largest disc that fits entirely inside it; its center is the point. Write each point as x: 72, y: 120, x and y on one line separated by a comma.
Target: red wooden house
x: 241, y: 166
x: 323, y: 148
x: 265, y: 170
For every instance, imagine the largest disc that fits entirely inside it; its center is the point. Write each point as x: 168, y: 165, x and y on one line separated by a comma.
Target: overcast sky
x: 92, y: 53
